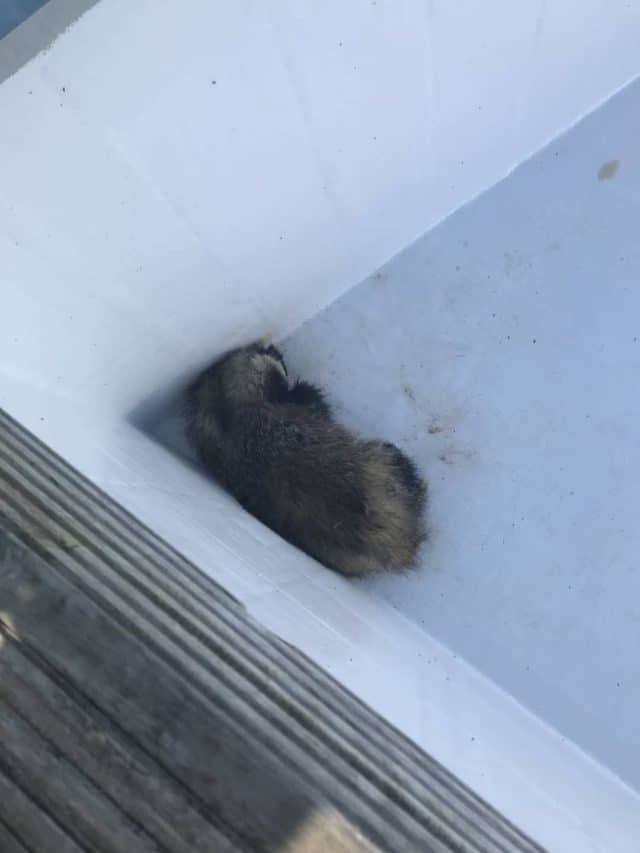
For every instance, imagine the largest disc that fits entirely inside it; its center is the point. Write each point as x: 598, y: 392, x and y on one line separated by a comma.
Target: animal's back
x: 344, y: 501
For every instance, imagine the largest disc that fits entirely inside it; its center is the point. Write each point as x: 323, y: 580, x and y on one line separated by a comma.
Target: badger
x: 274, y: 444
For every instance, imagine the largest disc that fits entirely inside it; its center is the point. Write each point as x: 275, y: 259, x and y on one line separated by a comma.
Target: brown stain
x: 408, y: 391
x: 608, y: 170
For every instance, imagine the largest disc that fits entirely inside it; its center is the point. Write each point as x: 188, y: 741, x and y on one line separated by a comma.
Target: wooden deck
x: 142, y: 710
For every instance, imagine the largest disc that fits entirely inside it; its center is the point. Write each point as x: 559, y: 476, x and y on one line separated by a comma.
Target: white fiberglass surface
x: 174, y: 184
x: 502, y: 351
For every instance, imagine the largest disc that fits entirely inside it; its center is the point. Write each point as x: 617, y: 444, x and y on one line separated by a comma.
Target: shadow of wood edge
x: 141, y: 708
x: 36, y: 34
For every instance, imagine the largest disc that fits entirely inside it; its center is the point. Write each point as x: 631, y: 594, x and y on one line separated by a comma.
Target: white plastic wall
x: 180, y: 176
x: 268, y: 155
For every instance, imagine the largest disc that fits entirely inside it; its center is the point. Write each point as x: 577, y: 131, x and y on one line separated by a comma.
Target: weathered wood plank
x: 189, y: 733
x: 111, y: 761
x: 37, y: 765
x: 26, y: 820
x: 179, y: 722
x: 272, y: 668
x: 9, y: 842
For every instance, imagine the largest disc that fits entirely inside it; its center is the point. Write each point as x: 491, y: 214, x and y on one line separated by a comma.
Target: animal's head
x: 250, y: 374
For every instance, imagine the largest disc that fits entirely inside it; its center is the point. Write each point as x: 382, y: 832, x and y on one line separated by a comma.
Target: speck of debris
x: 534, y: 340
x: 63, y: 89
x: 434, y: 428
x: 213, y: 82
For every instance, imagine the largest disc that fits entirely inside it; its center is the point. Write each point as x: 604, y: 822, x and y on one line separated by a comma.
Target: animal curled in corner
x: 354, y: 505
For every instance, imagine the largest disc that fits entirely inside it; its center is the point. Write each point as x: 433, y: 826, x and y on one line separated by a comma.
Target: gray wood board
x: 141, y: 709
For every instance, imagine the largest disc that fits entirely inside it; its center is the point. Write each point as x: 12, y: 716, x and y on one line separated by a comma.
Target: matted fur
x: 354, y: 505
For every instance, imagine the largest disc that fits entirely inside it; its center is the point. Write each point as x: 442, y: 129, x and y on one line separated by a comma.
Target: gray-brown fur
x: 354, y: 505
